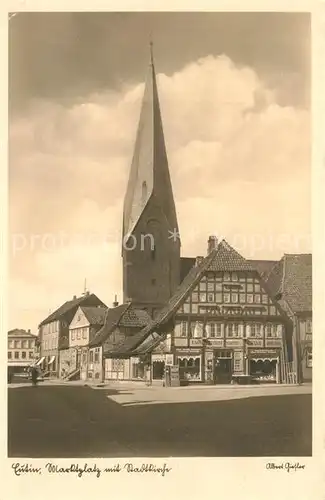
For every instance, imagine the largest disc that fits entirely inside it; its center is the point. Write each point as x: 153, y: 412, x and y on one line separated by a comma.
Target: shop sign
x: 180, y: 342
x: 255, y: 342
x: 234, y: 342
x: 264, y: 352
x: 158, y: 357
x: 216, y: 342
x: 273, y: 342
x: 195, y: 342
x: 169, y: 359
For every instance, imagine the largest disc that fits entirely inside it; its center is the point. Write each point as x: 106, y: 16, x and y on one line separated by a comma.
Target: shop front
x: 190, y: 364
x: 264, y: 365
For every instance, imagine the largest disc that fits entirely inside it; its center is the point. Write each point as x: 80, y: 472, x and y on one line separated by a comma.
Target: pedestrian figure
x: 34, y: 376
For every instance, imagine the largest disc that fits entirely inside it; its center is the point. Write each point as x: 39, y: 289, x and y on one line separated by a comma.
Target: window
x: 16, y: 355
x: 232, y: 330
x: 256, y: 329
x: 272, y: 311
x: 187, y: 308
x: 218, y: 297
x: 226, y: 298
x: 195, y: 297
x: 31, y: 354
x: 192, y: 329
x: 144, y: 192
x: 73, y: 335
x: 24, y: 344
x: 214, y: 330
x: 203, y: 286
x: 242, y: 298
x: 78, y: 333
x: 9, y: 355
x: 234, y: 297
x: 210, y: 297
x: 91, y: 356
x: 250, y: 298
x: 97, y: 355
x: 195, y: 308
x: 210, y: 277
x: 257, y: 299
x: 264, y: 298
x: 84, y: 333
x: 309, y: 359
x: 184, y: 328
x: 308, y: 326
x: 203, y: 297
x: 250, y: 287
x: 226, y: 276
x: 17, y: 344
x: 10, y: 344
x: 234, y: 276
x: 257, y: 287
x: 271, y: 330
x: 23, y: 355
x: 210, y: 287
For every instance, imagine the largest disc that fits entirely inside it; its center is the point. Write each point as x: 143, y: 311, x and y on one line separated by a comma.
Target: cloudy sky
x: 234, y: 92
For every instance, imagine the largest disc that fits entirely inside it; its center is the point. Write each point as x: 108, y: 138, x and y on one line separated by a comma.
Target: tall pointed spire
x: 150, y: 276
x: 149, y: 170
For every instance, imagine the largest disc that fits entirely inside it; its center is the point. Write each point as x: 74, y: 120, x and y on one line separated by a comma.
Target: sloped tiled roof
x: 291, y: 278
x: 264, y: 267
x: 222, y: 258
x: 95, y: 315
x: 123, y: 315
x: 70, y: 305
x: 19, y: 332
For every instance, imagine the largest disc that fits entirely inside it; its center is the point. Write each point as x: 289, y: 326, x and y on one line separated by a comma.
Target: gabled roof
x: 19, y: 332
x: 123, y: 315
x: 291, y: 279
x: 70, y: 305
x: 222, y: 258
x: 264, y: 267
x: 95, y: 315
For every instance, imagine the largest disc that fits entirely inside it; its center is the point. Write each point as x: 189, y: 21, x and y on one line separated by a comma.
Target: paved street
x: 76, y: 421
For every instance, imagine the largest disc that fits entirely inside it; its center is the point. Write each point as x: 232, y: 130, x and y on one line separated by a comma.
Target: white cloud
x: 239, y: 164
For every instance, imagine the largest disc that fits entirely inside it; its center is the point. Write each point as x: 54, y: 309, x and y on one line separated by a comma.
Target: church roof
x: 149, y: 175
x: 291, y: 279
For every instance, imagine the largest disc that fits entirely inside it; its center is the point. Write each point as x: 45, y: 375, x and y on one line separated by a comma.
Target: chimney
x: 115, y: 303
x: 28, y: 331
x: 198, y: 261
x: 212, y: 243
x: 74, y: 297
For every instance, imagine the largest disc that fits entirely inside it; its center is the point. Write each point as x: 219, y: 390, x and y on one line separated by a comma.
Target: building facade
x: 83, y: 328
x: 151, y: 243
x: 54, y: 332
x: 291, y: 282
x: 221, y: 326
x: 22, y: 346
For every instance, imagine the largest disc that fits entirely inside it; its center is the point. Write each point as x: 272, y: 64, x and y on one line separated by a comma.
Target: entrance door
x: 223, y: 371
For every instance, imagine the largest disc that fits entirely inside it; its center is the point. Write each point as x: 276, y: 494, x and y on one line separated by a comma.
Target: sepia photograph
x: 160, y: 250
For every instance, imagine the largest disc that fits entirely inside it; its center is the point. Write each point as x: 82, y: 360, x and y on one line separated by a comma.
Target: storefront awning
x: 51, y: 360
x: 265, y: 359
x: 40, y: 361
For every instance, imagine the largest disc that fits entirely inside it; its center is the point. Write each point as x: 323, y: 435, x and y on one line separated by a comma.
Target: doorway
x: 223, y: 367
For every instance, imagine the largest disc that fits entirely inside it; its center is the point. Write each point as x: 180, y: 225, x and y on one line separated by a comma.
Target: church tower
x: 151, y: 244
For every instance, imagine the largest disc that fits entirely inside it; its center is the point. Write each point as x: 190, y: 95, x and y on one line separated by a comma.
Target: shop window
x: 309, y: 359
x: 264, y: 370
x: 137, y: 370
x: 190, y: 367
